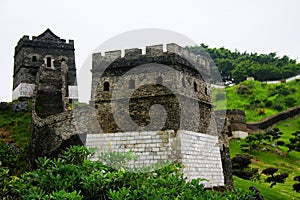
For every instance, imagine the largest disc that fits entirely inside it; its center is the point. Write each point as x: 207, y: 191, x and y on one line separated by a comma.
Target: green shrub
x: 280, y: 143
x: 243, y: 89
x: 240, y: 168
x: 80, y: 178
x: 274, y: 178
x: 15, y: 160
x: 268, y: 103
x: 252, y: 141
x: 289, y: 101
x: 296, y: 187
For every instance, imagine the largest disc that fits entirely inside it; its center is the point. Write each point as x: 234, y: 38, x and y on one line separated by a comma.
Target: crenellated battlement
x: 46, y: 39
x: 154, y: 50
x: 33, y: 52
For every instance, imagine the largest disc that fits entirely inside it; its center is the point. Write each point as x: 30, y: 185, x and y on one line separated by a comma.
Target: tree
x: 241, y: 72
x: 296, y: 186
x: 240, y: 168
x: 273, y: 134
x: 273, y: 179
x: 253, y: 140
x: 225, y: 66
x: 294, y: 144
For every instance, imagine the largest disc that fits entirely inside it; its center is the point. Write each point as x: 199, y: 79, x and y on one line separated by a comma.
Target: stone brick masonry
x: 200, y: 153
x: 23, y: 90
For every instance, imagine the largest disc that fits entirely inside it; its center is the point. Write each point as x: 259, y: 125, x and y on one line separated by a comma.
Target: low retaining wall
x: 269, y: 121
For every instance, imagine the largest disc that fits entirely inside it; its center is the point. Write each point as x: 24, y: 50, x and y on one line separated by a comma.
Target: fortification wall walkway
x: 274, y: 119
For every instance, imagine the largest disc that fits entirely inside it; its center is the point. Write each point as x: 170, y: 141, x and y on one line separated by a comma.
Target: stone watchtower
x: 46, y: 49
x: 159, y: 105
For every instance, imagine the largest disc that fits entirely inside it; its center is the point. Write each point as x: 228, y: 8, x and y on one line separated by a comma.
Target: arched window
x: 131, y: 84
x: 106, y: 86
x: 206, y: 90
x: 159, y: 80
x: 49, y: 60
x: 195, y: 87
x: 33, y: 59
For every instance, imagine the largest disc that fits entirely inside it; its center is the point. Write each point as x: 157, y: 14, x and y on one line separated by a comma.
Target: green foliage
x: 294, y: 144
x: 270, y: 155
x: 296, y: 186
x: 272, y: 178
x: 15, y: 160
x: 240, y: 168
x: 117, y: 160
x: 79, y: 178
x: 258, y: 100
x: 252, y: 141
x: 273, y: 134
x: 236, y: 66
x: 5, y: 180
x: 15, y: 126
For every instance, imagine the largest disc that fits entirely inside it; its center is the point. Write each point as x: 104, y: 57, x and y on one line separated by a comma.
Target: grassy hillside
x: 257, y: 99
x: 274, y: 157
x: 15, y: 127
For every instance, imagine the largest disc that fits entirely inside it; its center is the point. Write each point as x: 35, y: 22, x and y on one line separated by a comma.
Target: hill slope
x: 273, y: 157
x: 258, y: 100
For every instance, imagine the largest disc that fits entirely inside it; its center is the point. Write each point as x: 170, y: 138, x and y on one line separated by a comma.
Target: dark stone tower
x: 159, y: 104
x: 154, y: 78
x: 46, y: 49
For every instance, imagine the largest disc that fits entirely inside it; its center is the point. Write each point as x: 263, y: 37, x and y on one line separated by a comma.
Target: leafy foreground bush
x: 73, y: 176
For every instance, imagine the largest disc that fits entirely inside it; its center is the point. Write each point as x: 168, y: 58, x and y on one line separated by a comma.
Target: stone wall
x: 182, y: 91
x: 199, y: 152
x: 113, y: 64
x: 269, y: 121
x: 54, y: 126
x: 234, y: 120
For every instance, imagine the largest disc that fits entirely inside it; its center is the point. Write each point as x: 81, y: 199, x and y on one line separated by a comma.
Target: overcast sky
x: 261, y: 26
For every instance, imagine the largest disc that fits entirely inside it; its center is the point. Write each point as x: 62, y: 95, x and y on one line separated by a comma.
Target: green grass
x: 261, y: 100
x: 267, y: 192
x: 15, y: 127
x: 264, y: 159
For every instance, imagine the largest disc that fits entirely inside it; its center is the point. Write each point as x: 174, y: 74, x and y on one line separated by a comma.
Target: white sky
x: 261, y: 26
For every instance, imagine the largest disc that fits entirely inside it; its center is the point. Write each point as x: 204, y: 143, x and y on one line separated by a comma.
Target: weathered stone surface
x: 164, y: 78
x: 31, y: 54
x: 54, y: 126
x: 126, y: 92
x: 20, y: 106
x: 235, y: 120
